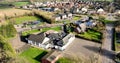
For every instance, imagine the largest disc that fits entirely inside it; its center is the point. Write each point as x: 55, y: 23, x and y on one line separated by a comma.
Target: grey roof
x: 37, y: 38
x: 54, y: 36
x: 52, y: 55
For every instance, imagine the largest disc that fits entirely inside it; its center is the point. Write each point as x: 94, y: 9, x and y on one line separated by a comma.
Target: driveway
x: 16, y: 42
x: 82, y: 48
x: 107, y: 52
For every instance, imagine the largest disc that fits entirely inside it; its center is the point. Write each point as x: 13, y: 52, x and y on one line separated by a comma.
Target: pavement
x: 107, y: 52
x: 83, y: 49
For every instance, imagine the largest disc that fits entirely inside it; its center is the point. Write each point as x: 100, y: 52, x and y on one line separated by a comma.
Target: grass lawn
x: 20, y: 20
x: 30, y: 32
x: 92, y: 35
x: 76, y: 18
x: 57, y: 28
x: 117, y: 45
x: 64, y: 60
x: 33, y: 55
x: 108, y: 21
x: 20, y: 3
x: 4, y: 7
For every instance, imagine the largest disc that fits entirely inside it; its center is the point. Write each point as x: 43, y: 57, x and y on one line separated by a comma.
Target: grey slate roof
x: 37, y: 38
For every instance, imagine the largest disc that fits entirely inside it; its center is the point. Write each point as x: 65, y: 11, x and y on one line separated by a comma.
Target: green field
x: 33, y: 55
x: 20, y: 20
x: 91, y: 35
x: 76, y: 18
x: 6, y: 5
x: 21, y: 3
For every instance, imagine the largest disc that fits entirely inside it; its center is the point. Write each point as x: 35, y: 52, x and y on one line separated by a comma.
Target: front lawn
x: 57, y: 28
x: 91, y: 35
x: 76, y: 18
x: 33, y: 55
x: 20, y: 20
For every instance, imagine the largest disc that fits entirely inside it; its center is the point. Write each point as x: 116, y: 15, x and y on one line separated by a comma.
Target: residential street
x: 107, y: 53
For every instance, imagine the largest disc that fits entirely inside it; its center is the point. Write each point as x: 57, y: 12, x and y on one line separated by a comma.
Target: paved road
x: 107, y: 53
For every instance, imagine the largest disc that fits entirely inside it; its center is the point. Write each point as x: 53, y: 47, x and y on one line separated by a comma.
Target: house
x: 57, y: 17
x: 60, y: 40
x: 83, y: 27
x: 39, y: 40
x: 47, y: 9
x: 63, y: 16
x: 51, y: 57
x: 69, y: 15
x: 66, y: 41
x: 100, y: 11
x: 84, y: 10
x: 75, y: 10
x: 24, y: 7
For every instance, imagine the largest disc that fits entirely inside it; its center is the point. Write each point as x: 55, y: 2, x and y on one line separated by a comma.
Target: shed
x: 51, y: 57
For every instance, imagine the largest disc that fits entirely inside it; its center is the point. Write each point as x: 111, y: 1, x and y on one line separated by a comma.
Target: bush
x: 8, y: 30
x: 47, y: 16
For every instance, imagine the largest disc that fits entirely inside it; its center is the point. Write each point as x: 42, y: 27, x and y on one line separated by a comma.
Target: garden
x: 91, y: 35
x: 64, y: 60
x: 23, y: 19
x: 33, y: 55
x: 76, y: 18
x: 117, y: 42
x: 25, y: 33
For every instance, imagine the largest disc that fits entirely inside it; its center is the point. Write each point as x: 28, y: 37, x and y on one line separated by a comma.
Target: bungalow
x: 67, y: 40
x: 38, y: 40
x: 53, y: 40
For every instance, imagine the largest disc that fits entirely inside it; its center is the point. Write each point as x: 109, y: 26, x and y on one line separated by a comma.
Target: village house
x: 63, y: 16
x: 57, y: 17
x: 69, y: 15
x: 84, y: 10
x: 100, y: 11
x: 67, y: 40
x: 51, y: 40
x: 39, y: 40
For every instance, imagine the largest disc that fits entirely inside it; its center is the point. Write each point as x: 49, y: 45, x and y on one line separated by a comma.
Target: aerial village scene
x: 59, y: 31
